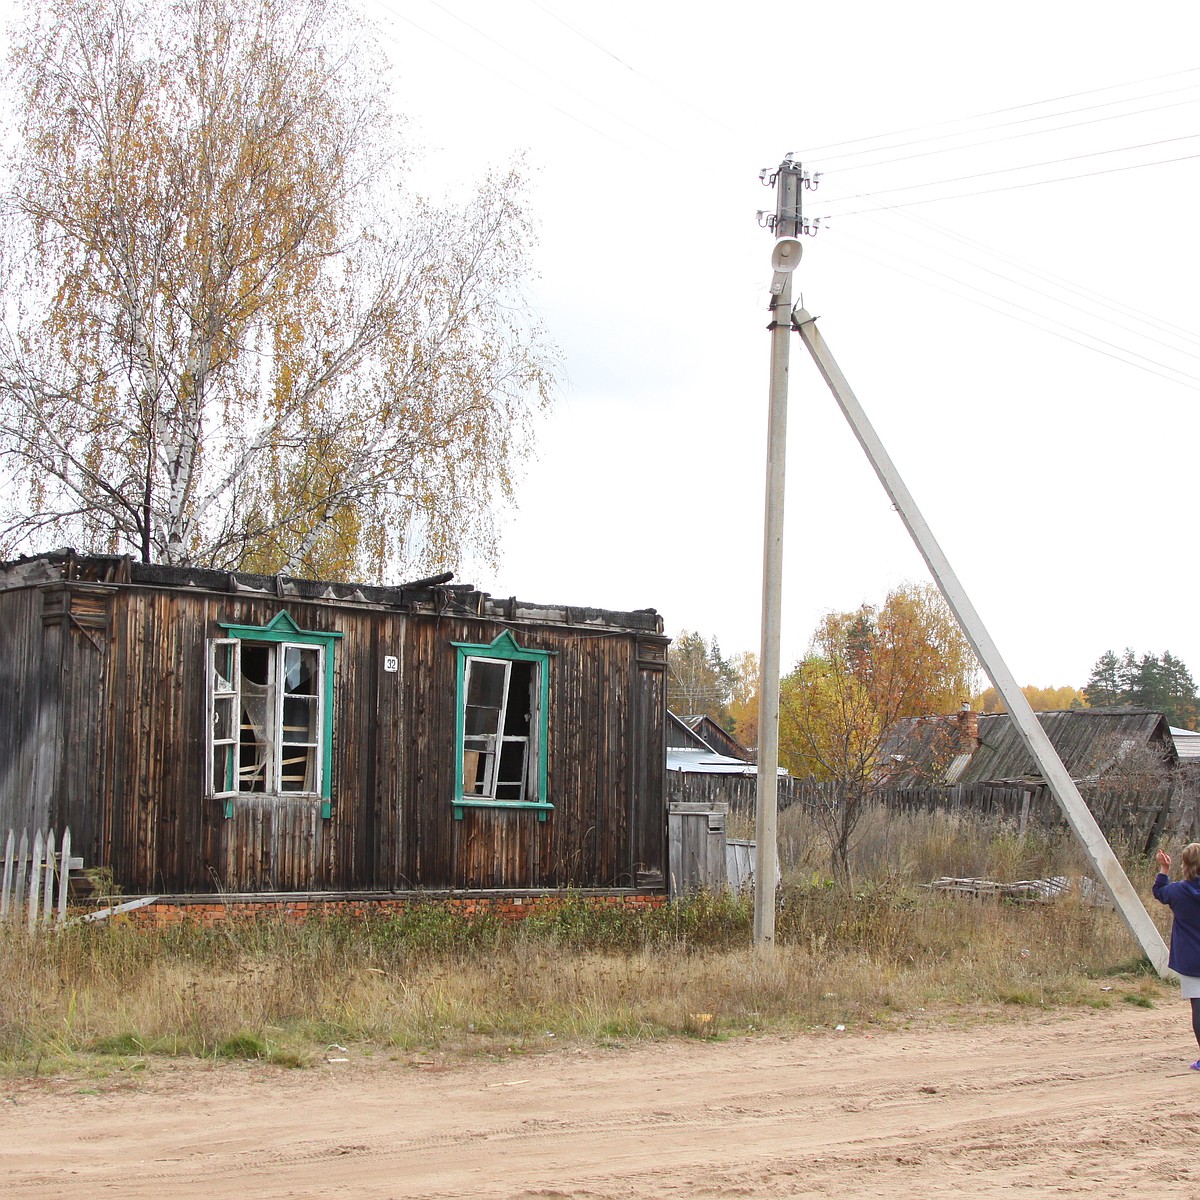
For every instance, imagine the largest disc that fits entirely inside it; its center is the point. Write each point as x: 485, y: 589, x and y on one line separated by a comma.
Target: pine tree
x: 1103, y: 688
x: 1128, y: 674
x: 1147, y: 689
x: 1179, y: 691
x: 1161, y: 683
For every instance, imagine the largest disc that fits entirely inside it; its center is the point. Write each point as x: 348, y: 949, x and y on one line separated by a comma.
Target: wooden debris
x: 1024, y: 891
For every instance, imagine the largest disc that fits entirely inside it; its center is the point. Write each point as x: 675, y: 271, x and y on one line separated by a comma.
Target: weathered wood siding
x: 604, y: 752
x: 30, y: 714
x: 105, y: 699
x: 648, y: 762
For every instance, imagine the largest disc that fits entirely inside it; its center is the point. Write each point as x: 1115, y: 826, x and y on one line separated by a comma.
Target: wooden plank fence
x: 1132, y: 813
x: 34, y: 885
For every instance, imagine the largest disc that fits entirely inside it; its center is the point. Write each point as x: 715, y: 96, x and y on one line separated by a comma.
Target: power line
x: 553, y: 79
x: 1132, y: 313
x: 1058, y: 281
x: 1052, y: 162
x: 1009, y: 137
x: 1015, y: 317
x: 1025, y: 308
x: 1058, y: 300
x: 585, y: 36
x: 1092, y: 297
x: 511, y: 82
x: 1158, y: 162
x: 580, y: 33
x: 1112, y: 87
x: 626, y: 66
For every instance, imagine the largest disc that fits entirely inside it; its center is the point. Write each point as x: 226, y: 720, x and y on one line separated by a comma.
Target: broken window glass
x: 267, y: 714
x: 498, y: 707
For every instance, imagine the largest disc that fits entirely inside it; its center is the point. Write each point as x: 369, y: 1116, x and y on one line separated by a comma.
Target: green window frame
x: 270, y: 702
x: 501, y: 723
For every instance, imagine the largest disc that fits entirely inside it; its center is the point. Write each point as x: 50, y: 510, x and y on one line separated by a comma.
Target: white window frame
x: 534, y: 782
x: 274, y: 736
x: 495, y: 742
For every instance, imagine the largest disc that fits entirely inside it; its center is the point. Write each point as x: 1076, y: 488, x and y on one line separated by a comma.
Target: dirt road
x: 1098, y: 1104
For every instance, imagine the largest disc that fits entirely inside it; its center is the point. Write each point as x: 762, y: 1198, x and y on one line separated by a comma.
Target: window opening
x: 224, y: 667
x: 300, y: 719
x: 497, y: 737
x: 257, y: 734
x: 502, y: 722
x: 271, y: 703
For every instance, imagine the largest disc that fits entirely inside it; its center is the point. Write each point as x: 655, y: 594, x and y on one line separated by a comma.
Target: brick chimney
x: 968, y: 729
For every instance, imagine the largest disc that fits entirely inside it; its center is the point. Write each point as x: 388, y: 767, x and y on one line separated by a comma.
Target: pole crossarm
x: 1126, y: 899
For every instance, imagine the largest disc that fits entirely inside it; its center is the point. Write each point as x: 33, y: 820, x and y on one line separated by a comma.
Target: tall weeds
x: 919, y: 846
x: 431, y: 980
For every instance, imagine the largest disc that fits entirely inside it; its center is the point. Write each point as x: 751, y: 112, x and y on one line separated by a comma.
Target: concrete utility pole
x: 1083, y: 824
x: 786, y: 224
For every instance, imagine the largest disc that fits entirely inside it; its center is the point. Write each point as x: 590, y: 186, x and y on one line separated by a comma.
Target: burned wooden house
x: 207, y: 731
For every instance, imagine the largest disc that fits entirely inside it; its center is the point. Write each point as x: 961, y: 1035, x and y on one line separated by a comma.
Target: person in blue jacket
x: 1183, y: 897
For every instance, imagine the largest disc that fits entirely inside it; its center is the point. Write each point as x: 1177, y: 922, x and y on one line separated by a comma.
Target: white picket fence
x: 36, y: 877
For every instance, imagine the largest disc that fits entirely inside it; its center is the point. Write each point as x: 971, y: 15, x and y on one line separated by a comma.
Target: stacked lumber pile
x: 1025, y: 891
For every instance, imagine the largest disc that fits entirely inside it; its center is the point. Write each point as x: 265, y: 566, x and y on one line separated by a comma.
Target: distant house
x: 207, y: 731
x: 709, y: 735
x: 972, y: 747
x: 718, y: 739
x: 689, y: 752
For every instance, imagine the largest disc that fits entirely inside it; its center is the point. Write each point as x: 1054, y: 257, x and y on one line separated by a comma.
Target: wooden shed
x: 207, y: 731
x: 968, y: 747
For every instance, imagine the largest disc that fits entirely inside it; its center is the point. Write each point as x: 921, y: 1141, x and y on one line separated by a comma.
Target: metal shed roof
x: 1187, y: 742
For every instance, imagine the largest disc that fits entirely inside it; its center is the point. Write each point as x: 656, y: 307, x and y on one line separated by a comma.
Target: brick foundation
x: 299, y: 907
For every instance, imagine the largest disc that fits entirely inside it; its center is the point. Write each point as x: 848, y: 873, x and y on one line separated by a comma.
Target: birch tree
x: 743, y: 699
x: 231, y: 338
x: 699, y: 680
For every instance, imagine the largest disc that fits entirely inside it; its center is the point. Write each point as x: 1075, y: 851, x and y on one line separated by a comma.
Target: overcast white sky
x: 1027, y: 344
x: 1029, y: 353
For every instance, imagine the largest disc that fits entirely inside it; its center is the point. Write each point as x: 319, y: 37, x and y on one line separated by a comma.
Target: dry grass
x: 433, y: 982
x: 920, y: 846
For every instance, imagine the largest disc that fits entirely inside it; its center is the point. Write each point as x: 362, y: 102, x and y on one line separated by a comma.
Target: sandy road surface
x: 1098, y: 1104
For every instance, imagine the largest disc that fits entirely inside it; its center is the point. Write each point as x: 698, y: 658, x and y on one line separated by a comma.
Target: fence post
x: 47, y: 880
x: 35, y: 870
x: 64, y: 872
x: 10, y: 852
x: 19, y: 879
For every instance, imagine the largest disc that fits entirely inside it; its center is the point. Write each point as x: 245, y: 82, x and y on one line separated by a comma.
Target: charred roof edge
x: 434, y: 595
